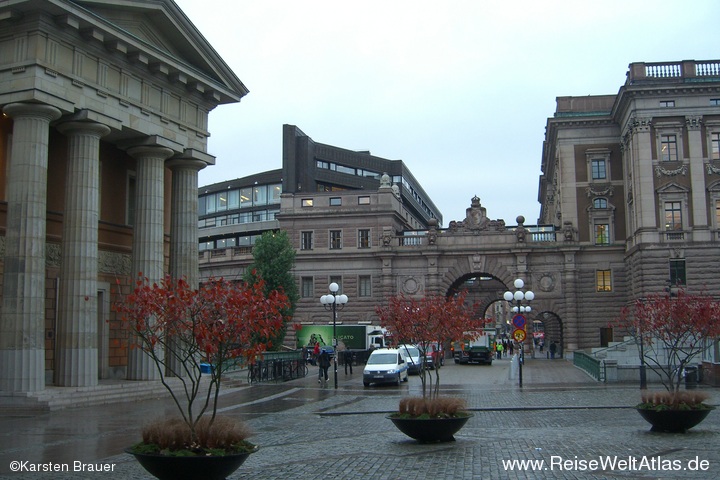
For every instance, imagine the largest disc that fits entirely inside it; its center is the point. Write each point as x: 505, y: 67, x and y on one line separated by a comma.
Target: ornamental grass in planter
x: 182, y: 330
x: 426, y: 321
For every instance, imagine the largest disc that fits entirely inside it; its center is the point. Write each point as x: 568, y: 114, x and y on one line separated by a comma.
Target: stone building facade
x: 102, y: 134
x: 630, y: 204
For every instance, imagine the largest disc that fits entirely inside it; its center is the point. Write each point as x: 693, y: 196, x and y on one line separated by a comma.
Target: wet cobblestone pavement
x: 306, y: 431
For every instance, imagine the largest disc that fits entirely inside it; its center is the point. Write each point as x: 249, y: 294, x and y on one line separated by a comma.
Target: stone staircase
x: 107, y: 392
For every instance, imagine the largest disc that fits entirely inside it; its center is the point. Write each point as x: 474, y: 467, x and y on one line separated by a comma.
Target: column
x: 184, y: 229
x: 698, y: 190
x: 148, y: 237
x: 184, y: 219
x: 76, y: 333
x: 22, y: 339
x: 644, y: 181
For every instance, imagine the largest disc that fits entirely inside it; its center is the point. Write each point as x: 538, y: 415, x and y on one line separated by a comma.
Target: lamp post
x: 331, y: 301
x: 515, y: 299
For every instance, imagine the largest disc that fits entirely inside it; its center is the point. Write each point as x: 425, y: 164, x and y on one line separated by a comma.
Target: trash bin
x: 691, y: 377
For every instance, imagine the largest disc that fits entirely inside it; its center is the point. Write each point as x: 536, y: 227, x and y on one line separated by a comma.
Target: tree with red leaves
x: 181, y: 328
x: 670, y: 331
x: 423, y: 321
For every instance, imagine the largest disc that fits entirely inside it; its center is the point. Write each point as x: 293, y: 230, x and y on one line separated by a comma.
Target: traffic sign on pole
x: 519, y: 321
x: 519, y: 335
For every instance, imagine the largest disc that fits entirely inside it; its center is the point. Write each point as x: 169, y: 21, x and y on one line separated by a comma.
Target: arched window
x: 600, y: 203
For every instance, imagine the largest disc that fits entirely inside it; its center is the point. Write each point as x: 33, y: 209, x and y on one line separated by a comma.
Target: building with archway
x: 630, y: 205
x: 103, y: 131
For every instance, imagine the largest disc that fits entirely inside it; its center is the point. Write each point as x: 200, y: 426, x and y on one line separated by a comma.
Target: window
x: 335, y: 201
x: 363, y: 200
x: 600, y: 203
x: 274, y: 192
x: 233, y: 199
x: 307, y: 202
x: 335, y: 239
x: 364, y: 238
x: 677, y: 271
x: 598, y: 169
x: 715, y: 146
x: 668, y: 148
x: 602, y: 234
x: 260, y: 195
x: 673, y: 216
x: 364, y: 286
x: 306, y: 287
x: 717, y: 213
x: 602, y: 281
x: 715, y: 101
x: 667, y: 103
x: 306, y: 240
x: 222, y: 201
x: 245, y: 197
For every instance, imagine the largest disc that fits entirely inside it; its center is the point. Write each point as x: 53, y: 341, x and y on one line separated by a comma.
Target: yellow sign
x: 519, y: 335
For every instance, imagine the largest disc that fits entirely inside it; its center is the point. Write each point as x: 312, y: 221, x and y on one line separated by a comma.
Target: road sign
x: 519, y: 335
x: 519, y: 321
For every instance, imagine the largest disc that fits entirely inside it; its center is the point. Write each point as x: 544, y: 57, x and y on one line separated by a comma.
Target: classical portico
x: 105, y: 129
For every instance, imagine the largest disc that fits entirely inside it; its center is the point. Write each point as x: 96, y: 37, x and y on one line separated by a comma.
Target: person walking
x: 553, y: 349
x: 499, y: 349
x: 323, y: 361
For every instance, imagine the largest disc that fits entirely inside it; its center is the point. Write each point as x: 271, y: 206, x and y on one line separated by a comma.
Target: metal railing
x: 591, y: 365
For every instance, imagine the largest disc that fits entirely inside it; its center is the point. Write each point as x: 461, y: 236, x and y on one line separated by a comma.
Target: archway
x: 552, y: 329
x: 483, y: 289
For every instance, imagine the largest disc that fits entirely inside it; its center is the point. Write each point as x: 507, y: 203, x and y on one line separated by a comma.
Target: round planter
x: 673, y: 421
x: 427, y: 430
x: 181, y: 468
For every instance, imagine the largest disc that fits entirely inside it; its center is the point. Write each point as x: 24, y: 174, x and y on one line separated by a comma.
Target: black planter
x: 673, y: 421
x: 190, y: 468
x: 429, y: 430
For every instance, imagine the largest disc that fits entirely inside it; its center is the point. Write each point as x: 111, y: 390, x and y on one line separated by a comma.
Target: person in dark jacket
x: 323, y: 361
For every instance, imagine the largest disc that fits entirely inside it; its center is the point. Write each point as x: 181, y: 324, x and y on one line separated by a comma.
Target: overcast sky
x: 460, y: 90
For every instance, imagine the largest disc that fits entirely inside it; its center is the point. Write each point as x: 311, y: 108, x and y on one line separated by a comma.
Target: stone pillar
x: 184, y: 219
x: 184, y: 230
x: 22, y: 339
x: 148, y: 237
x: 698, y: 190
x: 76, y: 333
x: 643, y: 181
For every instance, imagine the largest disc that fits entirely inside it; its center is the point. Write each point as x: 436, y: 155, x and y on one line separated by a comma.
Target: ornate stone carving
x: 476, y: 220
x: 547, y: 282
x: 712, y: 169
x: 660, y: 171
x: 53, y: 255
x: 569, y: 231
x: 114, y: 263
x: 607, y: 191
x: 410, y: 285
x: 693, y: 122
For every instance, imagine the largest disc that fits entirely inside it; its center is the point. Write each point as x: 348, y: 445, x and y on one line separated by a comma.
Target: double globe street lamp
x: 519, y: 322
x: 332, y: 301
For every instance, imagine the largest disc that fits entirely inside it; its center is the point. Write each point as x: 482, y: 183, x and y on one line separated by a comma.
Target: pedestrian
x: 499, y: 348
x: 348, y: 359
x: 316, y: 352
x: 511, y: 347
x: 553, y: 349
x: 323, y: 361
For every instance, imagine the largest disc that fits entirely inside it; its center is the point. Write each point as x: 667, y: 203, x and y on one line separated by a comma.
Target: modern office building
x: 103, y: 131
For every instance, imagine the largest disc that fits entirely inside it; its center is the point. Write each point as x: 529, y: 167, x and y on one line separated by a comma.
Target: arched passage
x: 483, y: 289
x: 552, y: 328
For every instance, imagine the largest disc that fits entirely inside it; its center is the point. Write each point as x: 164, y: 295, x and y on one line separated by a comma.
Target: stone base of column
x: 22, y: 370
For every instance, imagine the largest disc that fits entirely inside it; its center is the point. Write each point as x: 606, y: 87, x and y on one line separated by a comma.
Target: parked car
x: 472, y: 354
x: 413, y: 358
x: 434, y: 355
x: 385, y: 365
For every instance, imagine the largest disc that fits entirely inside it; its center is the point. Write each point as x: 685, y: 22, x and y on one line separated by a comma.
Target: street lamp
x: 333, y: 301
x: 515, y: 300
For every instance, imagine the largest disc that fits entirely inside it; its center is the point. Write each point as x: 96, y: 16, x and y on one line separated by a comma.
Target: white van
x: 386, y: 365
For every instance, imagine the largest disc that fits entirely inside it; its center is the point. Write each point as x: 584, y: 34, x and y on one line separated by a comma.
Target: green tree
x: 273, y: 261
